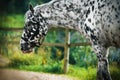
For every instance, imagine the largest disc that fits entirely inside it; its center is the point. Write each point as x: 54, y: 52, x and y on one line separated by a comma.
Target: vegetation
x: 12, y: 21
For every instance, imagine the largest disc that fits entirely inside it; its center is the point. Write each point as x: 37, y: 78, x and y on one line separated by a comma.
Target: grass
x: 115, y: 71
x: 12, y: 21
x: 81, y: 73
x: 35, y: 62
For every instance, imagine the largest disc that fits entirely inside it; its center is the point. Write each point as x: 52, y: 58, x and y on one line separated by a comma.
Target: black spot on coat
x: 93, y: 37
x: 89, y: 20
x: 88, y: 12
x: 119, y: 7
x: 92, y: 8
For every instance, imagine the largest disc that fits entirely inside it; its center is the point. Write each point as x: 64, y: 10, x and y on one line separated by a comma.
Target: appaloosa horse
x: 98, y: 20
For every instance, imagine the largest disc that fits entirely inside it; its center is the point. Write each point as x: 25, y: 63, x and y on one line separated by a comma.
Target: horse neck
x: 58, y: 14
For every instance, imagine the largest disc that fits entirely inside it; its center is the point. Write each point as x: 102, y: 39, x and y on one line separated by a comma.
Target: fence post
x: 66, y: 53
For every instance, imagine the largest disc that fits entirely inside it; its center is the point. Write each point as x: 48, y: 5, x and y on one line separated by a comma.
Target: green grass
x: 35, y: 62
x: 41, y: 63
x: 81, y: 73
x: 12, y: 21
x: 115, y: 71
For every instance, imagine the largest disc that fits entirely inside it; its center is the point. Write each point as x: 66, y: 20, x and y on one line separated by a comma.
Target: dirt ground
x: 8, y: 74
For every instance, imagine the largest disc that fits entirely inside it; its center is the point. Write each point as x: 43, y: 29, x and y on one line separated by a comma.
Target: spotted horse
x: 97, y: 20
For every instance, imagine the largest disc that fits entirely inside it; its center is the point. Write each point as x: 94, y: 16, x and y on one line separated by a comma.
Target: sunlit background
x: 49, y: 59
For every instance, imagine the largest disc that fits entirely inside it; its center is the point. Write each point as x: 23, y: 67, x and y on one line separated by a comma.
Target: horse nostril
x: 21, y: 48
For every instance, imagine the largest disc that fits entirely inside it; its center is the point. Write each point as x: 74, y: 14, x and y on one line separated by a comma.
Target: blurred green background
x: 82, y: 60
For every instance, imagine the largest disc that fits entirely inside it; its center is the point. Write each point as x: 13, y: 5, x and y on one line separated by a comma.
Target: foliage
x: 9, y: 42
x: 12, y: 21
x: 81, y: 55
x: 54, y: 67
x: 82, y: 73
x: 114, y: 55
x: 21, y: 60
x: 35, y: 62
x: 115, y: 71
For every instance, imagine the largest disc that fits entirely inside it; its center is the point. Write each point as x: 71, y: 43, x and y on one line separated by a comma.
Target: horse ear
x: 31, y: 8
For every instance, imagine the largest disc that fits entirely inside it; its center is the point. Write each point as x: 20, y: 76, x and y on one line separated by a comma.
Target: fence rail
x: 66, y: 44
x: 63, y: 44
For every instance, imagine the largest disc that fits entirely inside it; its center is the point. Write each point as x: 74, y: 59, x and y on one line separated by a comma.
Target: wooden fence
x: 66, y: 45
